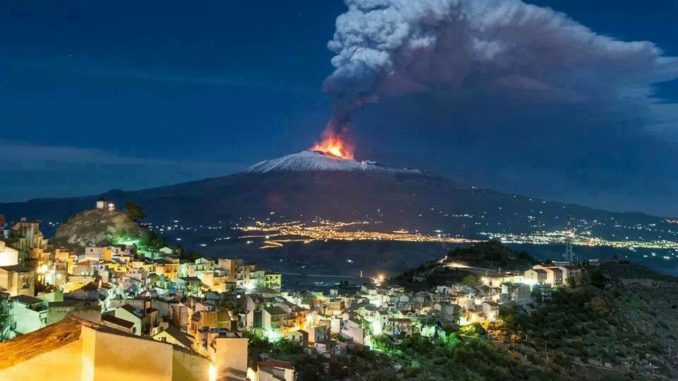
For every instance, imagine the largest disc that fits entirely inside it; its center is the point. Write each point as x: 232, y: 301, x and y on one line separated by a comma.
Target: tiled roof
x: 41, y: 341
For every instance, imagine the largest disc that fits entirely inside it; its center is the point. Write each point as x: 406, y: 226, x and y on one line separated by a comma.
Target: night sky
x: 132, y: 94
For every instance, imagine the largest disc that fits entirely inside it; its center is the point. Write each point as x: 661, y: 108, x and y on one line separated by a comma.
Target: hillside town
x: 200, y: 312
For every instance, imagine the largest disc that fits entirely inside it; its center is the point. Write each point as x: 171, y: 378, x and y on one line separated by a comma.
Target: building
x: 27, y: 314
x: 100, y: 253
x: 119, y: 324
x: 447, y: 313
x: 273, y: 280
x: 175, y: 337
x: 491, y: 311
x: 271, y: 370
x: 399, y: 326
x: 535, y: 276
x: 319, y: 334
x: 8, y: 255
x: 102, y: 204
x: 27, y: 236
x: 145, y: 318
x: 273, y: 318
x: 354, y: 331
x: 74, y: 349
x: 17, y: 280
x: 210, y: 319
x: 81, y: 309
x: 131, y: 314
x: 299, y: 336
x: 226, y: 350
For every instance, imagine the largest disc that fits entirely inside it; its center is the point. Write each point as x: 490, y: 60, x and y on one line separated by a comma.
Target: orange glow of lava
x: 334, y: 145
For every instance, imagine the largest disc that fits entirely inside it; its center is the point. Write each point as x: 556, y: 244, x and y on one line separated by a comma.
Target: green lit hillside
x: 100, y: 227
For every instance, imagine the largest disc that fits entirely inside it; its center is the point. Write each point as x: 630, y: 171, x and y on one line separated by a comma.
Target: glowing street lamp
x: 212, y: 372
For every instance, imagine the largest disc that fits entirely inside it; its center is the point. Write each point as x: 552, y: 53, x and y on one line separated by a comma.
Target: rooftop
x: 275, y: 310
x: 27, y: 300
x: 273, y: 363
x: 117, y: 321
x: 41, y: 341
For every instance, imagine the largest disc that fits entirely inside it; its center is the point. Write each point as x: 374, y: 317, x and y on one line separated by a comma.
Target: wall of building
x: 188, y: 367
x: 121, y: 313
x: 103, y: 356
x: 8, y: 255
x: 27, y: 320
x: 231, y: 354
x: 62, y: 364
x: 118, y: 357
x: 58, y: 313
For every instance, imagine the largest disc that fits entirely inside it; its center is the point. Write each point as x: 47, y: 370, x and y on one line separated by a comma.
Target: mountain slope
x: 308, y: 185
x: 308, y: 161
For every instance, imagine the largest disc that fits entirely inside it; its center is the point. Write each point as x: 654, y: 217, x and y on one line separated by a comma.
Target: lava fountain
x: 334, y: 142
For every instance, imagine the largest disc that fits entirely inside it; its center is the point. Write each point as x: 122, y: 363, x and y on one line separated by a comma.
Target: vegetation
x: 134, y: 212
x: 429, y: 275
x: 616, y: 321
x: 151, y: 241
x: 98, y: 227
x: 468, y: 354
x: 596, y: 323
x: 189, y: 256
x: 492, y: 254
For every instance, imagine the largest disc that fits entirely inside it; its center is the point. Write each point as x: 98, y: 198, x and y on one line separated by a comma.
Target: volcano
x: 313, y: 185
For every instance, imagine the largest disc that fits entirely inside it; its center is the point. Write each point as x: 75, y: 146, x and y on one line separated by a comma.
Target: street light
x: 212, y: 373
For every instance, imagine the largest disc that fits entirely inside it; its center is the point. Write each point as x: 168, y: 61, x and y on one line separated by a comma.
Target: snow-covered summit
x: 311, y: 161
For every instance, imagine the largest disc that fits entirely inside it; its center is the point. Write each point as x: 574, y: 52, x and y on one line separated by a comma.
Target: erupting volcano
x: 334, y: 146
x: 334, y: 142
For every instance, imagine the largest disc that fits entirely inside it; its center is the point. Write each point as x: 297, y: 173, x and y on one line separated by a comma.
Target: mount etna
x: 311, y: 186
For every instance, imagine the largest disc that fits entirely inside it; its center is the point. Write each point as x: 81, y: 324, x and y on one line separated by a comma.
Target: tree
x: 134, y: 212
x: 597, y: 278
x: 471, y: 280
x: 571, y: 282
x: 190, y: 256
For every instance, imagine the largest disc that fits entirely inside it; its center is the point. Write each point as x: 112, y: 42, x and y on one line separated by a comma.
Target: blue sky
x: 133, y: 94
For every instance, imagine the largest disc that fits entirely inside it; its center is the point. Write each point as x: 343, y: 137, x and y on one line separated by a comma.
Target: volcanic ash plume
x: 393, y: 47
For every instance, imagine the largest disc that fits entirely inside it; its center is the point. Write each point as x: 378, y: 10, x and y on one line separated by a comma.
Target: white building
x: 8, y: 256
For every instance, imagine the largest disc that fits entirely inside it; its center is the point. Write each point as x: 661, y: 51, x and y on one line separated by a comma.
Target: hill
x: 98, y: 227
x: 620, y: 320
x: 463, y: 264
x: 491, y: 254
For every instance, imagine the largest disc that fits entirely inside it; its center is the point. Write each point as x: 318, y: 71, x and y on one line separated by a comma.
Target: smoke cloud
x: 393, y: 47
